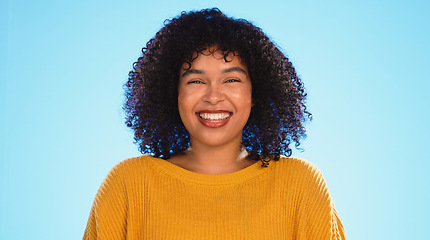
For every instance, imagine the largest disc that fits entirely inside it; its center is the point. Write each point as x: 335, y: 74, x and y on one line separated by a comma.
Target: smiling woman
x: 209, y: 99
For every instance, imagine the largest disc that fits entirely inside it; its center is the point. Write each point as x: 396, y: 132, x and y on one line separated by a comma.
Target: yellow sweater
x: 150, y: 198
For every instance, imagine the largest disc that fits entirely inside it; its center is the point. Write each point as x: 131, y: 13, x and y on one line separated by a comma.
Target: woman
x: 211, y: 97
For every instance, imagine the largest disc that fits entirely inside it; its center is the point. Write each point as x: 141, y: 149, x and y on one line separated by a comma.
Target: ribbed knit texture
x: 150, y: 198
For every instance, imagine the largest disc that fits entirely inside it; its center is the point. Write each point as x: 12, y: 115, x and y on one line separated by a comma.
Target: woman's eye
x: 232, y: 80
x: 194, y: 81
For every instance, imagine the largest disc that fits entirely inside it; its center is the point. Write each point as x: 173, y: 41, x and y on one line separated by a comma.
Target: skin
x: 214, y: 86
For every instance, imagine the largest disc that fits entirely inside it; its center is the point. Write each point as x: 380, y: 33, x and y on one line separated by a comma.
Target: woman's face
x: 214, y: 98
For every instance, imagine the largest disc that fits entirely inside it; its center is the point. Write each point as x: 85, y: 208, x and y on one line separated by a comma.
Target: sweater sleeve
x: 108, y: 214
x: 322, y: 219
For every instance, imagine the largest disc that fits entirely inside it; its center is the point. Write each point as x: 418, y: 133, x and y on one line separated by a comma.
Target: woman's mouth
x: 214, y: 119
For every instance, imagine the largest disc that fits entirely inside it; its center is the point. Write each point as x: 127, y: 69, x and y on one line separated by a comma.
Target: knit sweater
x: 150, y: 198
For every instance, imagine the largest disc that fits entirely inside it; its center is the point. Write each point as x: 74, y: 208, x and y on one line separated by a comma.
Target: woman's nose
x: 214, y: 95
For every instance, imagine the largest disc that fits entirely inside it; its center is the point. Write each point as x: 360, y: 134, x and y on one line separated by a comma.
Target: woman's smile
x: 214, y: 119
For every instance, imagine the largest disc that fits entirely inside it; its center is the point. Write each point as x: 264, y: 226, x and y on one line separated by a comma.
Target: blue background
x: 365, y: 65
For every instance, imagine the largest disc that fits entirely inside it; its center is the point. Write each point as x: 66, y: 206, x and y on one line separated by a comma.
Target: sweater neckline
x: 208, y: 179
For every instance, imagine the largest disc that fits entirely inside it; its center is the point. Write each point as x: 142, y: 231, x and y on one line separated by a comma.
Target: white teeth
x: 214, y: 116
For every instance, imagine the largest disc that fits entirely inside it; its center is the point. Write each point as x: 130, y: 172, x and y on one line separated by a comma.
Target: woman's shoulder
x: 298, y: 168
x: 133, y: 162
x: 130, y: 168
x: 297, y: 164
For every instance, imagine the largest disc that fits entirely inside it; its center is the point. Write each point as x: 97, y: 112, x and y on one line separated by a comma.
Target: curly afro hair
x: 151, y: 107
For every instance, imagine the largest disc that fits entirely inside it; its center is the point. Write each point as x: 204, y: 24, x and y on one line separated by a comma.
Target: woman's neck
x: 205, y: 159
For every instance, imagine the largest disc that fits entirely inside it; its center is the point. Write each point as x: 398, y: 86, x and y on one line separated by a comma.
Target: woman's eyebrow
x: 234, y: 69
x: 227, y: 70
x: 192, y: 71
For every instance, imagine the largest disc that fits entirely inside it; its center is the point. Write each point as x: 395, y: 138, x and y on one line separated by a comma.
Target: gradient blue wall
x: 365, y: 66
